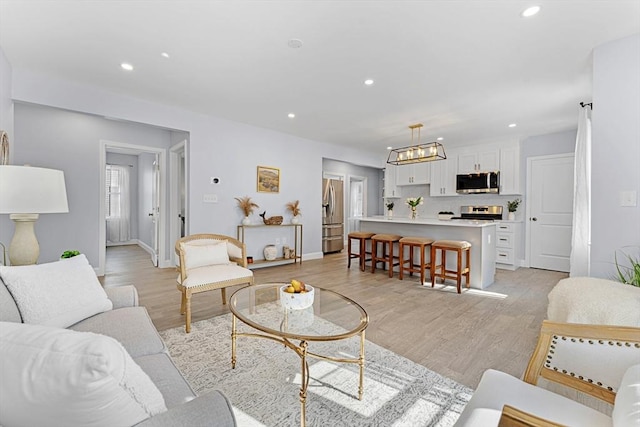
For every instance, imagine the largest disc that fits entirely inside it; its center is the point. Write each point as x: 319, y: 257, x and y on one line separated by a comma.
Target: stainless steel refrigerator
x: 332, y: 215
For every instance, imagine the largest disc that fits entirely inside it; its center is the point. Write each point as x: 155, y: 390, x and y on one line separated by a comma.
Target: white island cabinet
x: 481, y: 235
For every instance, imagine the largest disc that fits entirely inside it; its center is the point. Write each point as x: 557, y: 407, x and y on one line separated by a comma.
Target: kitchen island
x: 481, y: 235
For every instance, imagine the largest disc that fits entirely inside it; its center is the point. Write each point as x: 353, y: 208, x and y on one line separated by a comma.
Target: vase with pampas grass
x: 294, y: 208
x: 247, y: 207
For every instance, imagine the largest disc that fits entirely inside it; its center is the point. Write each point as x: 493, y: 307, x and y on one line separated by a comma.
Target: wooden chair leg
x: 459, y: 272
x: 224, y: 296
x: 183, y: 303
x: 188, y: 311
x: 401, y: 257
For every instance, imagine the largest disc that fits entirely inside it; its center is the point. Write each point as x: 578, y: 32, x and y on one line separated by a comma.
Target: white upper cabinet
x: 472, y: 160
x: 390, y: 188
x: 510, y: 170
x: 443, y: 176
x: 414, y: 174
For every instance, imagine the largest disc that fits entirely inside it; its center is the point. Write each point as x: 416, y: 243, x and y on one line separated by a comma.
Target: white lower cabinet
x: 507, y: 234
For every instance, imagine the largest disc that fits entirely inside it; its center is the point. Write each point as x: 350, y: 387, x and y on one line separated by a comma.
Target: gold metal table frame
x: 248, y: 298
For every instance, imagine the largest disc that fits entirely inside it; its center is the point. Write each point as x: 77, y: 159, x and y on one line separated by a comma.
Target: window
x: 113, y: 193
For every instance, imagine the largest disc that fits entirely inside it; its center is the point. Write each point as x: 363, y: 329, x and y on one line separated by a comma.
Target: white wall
x: 6, y: 124
x: 616, y: 150
x: 131, y: 162
x: 70, y: 141
x: 217, y: 147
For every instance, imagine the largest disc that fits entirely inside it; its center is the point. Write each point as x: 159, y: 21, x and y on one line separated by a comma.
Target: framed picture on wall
x: 268, y: 179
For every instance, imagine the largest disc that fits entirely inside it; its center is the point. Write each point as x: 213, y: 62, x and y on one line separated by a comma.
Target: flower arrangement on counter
x: 413, y: 203
x: 512, y: 205
x: 390, y: 206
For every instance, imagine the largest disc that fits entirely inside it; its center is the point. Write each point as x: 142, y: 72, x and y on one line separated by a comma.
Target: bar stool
x: 387, y: 257
x: 458, y: 246
x: 362, y: 237
x: 415, y: 243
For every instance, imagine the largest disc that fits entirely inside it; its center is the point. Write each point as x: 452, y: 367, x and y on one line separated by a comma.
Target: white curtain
x: 581, y: 236
x: 118, y: 204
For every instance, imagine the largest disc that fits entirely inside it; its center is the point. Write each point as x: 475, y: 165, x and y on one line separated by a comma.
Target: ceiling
x: 466, y: 69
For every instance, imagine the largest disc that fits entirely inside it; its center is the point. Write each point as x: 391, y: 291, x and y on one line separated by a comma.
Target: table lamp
x: 26, y: 192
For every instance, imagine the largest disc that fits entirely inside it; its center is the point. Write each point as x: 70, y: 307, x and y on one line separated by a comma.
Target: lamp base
x: 24, y: 248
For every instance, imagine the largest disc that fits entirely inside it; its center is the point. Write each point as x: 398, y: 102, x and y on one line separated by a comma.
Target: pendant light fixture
x: 416, y: 152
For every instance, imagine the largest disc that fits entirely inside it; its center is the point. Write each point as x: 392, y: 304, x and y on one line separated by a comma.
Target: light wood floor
x: 458, y: 336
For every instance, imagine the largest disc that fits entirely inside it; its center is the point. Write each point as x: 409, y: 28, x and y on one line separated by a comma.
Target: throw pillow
x: 199, y: 255
x: 59, y: 293
x: 53, y: 376
x: 627, y: 404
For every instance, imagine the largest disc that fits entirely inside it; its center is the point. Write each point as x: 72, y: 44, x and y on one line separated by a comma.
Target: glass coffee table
x: 332, y: 317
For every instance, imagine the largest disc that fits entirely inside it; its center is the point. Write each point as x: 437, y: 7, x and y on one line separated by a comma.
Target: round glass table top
x: 331, y: 316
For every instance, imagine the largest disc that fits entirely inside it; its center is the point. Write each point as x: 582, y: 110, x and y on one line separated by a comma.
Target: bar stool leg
x: 422, y: 265
x: 349, y: 253
x: 459, y: 272
x: 401, y: 256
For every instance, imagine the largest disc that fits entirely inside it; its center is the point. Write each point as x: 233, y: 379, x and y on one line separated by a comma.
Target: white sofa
x: 602, y: 361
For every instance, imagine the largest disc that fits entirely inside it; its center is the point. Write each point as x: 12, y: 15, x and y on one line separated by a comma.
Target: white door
x: 550, y: 211
x: 178, y: 196
x: 155, y: 206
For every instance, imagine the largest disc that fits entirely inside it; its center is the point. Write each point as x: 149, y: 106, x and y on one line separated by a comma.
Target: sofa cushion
x: 58, y: 293
x: 497, y: 389
x: 8, y: 308
x: 626, y: 411
x: 131, y: 326
x: 54, y: 376
x: 198, y: 255
x: 166, y: 376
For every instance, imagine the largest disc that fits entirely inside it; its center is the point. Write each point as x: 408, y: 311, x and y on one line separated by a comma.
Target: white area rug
x: 264, y: 386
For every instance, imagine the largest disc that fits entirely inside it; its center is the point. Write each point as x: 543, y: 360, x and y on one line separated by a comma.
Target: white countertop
x: 429, y: 221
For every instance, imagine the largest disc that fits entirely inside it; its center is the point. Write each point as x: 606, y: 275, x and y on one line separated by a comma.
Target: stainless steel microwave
x: 473, y: 183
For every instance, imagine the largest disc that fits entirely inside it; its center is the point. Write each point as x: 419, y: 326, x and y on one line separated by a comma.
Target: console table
x: 297, y: 241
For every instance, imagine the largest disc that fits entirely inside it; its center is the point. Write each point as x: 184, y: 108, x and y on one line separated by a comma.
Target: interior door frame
x: 175, y: 152
x: 527, y: 218
x: 365, y: 184
x: 126, y: 148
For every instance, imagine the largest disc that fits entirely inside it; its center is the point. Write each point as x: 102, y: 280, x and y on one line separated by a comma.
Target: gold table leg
x: 233, y: 341
x: 304, y: 384
x: 361, y: 364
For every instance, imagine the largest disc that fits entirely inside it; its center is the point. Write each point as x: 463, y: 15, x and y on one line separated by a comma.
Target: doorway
x: 154, y: 185
x: 178, y: 195
x: 549, y: 211
x: 357, y: 202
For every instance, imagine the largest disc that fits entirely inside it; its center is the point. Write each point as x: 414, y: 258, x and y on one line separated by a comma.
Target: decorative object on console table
x: 247, y: 207
x: 270, y: 252
x: 26, y: 192
x: 294, y: 208
x: 268, y: 179
x: 272, y: 220
x: 512, y: 207
x: 413, y: 203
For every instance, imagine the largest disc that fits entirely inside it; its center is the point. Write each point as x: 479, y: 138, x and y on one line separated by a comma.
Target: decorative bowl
x: 296, y: 301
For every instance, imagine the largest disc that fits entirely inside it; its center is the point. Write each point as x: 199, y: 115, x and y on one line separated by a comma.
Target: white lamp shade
x: 31, y: 190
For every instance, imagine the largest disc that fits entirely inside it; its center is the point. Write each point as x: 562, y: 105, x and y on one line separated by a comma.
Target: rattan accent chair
x: 209, y: 262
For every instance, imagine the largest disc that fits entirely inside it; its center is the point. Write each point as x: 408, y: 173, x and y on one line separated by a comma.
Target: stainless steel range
x: 486, y: 213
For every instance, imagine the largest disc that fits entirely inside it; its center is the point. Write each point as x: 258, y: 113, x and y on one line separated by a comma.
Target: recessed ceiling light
x: 368, y: 82
x: 530, y: 11
x: 440, y: 138
x: 126, y: 66
x: 165, y: 54
x: 294, y: 43
x: 291, y: 115
x: 512, y: 125
x: 389, y: 148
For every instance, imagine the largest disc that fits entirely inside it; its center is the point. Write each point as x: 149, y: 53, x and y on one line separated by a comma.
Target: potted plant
x: 413, y: 203
x: 69, y: 254
x: 389, y: 209
x: 247, y: 207
x: 294, y: 208
x: 512, y: 207
x: 628, y: 274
